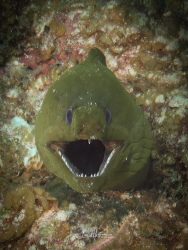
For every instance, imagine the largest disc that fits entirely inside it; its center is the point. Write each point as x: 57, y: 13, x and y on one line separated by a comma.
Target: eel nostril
x: 99, y: 128
x: 102, y: 131
x: 80, y: 129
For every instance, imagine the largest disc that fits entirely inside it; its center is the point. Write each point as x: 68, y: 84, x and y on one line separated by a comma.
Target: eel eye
x: 69, y: 116
x: 108, y: 116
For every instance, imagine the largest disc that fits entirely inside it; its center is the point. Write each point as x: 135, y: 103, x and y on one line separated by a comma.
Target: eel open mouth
x: 85, y: 158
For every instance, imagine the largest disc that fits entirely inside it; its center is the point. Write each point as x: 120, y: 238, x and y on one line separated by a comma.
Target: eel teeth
x: 76, y: 172
x: 59, y: 151
x: 68, y: 164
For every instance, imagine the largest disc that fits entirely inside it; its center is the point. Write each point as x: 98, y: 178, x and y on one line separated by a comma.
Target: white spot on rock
x: 12, y: 93
x: 72, y: 206
x: 160, y: 99
x: 61, y: 215
x: 178, y: 101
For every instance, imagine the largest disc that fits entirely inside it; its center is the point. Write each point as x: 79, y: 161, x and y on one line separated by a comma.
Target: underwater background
x: 146, y: 46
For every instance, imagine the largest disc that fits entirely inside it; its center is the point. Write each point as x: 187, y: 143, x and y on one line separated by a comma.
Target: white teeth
x: 106, y: 163
x: 76, y: 172
x: 92, y: 175
x: 68, y: 164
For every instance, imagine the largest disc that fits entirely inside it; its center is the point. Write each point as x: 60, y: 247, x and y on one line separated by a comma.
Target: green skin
x: 89, y: 88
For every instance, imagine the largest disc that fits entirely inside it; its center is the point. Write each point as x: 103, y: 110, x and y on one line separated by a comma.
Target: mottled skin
x: 89, y: 88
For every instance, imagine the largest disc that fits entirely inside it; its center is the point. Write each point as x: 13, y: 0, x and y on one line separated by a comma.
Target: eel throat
x: 85, y: 158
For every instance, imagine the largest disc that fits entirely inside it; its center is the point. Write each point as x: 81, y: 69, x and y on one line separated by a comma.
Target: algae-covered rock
x: 185, y: 157
x: 57, y: 28
x: 20, y: 211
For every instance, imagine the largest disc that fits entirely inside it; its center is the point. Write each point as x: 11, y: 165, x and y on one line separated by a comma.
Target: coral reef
x: 145, y: 44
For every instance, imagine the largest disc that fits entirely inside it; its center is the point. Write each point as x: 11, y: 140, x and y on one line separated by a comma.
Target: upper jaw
x: 85, y: 158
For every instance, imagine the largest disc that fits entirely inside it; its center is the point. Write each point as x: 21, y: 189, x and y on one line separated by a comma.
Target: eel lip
x: 85, y: 158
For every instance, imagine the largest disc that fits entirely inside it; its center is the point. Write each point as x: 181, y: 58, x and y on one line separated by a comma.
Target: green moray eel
x: 90, y: 131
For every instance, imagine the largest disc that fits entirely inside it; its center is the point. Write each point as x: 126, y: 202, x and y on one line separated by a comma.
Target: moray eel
x: 90, y: 131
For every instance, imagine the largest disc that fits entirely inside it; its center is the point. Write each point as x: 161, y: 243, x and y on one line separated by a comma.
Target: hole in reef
x: 86, y: 157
